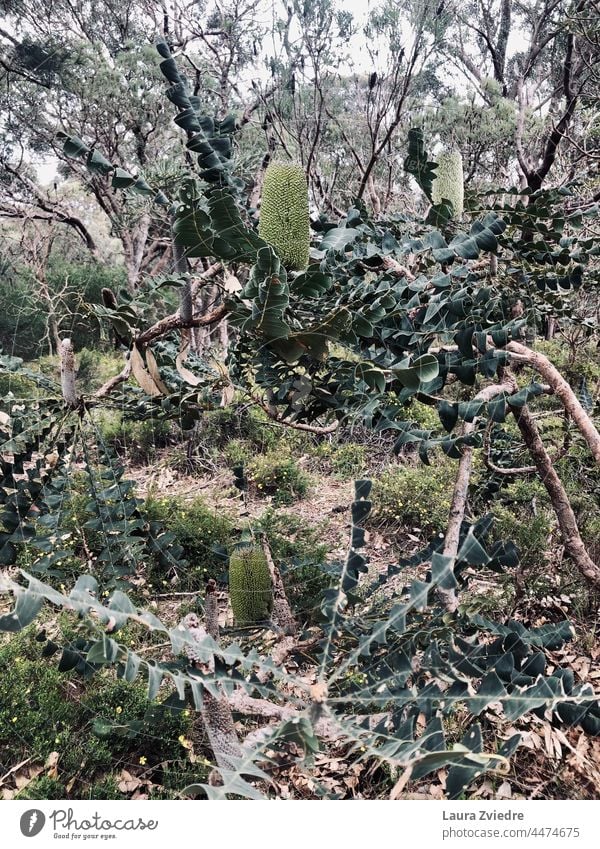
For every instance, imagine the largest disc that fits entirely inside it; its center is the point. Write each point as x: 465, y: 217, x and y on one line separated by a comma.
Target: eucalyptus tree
x: 531, y: 59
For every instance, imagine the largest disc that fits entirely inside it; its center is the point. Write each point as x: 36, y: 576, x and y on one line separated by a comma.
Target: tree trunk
x: 282, y: 611
x: 458, y: 506
x: 574, y: 545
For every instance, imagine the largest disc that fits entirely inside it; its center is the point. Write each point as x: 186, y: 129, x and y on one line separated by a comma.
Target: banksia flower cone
x: 284, y: 220
x: 250, y: 586
x: 449, y: 181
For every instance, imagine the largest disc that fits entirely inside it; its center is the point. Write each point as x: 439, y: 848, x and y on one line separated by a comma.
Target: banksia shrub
x: 449, y: 181
x: 250, y: 586
x: 284, y: 220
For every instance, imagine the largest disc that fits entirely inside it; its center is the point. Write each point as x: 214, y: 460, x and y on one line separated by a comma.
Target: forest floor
x: 298, y: 493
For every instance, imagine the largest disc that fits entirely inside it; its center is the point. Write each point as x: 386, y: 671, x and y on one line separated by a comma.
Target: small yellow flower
x: 186, y: 712
x: 119, y: 709
x: 14, y: 719
x: 187, y: 744
x: 143, y: 760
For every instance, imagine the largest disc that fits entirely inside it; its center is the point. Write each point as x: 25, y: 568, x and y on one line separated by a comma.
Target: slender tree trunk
x: 562, y: 390
x: 574, y: 545
x: 282, y: 611
x: 458, y: 506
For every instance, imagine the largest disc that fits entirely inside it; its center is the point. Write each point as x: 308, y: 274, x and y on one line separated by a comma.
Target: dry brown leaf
x: 232, y: 284
x: 22, y: 779
x: 187, y: 375
x: 227, y: 395
x: 401, y: 783
x: 504, y: 791
x: 143, y: 377
x: 484, y: 790
x: 50, y: 765
x: 318, y: 692
x: 128, y: 782
x: 154, y: 372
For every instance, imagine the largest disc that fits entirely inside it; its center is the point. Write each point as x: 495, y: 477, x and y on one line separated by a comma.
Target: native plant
x: 439, y: 312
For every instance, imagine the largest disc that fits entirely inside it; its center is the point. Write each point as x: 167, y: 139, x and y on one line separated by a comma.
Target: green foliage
x: 139, y: 441
x: 94, y: 725
x: 95, y: 367
x: 250, y: 585
x: 523, y: 516
x: 204, y: 535
x: 284, y: 218
x: 277, y: 475
x: 43, y: 788
x: 348, y: 460
x: 414, y: 497
x: 218, y: 428
x: 301, y: 552
x: 18, y: 385
x: 73, y: 286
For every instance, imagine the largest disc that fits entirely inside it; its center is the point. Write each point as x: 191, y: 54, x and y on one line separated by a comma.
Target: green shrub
x: 348, y: 460
x: 279, y: 476
x: 414, y: 497
x: 93, y: 724
x: 204, y: 534
x: 105, y: 788
x: 299, y: 550
x: 138, y: 440
x: 218, y: 428
x: 238, y: 452
x: 43, y: 787
x: 19, y: 386
x: 95, y: 367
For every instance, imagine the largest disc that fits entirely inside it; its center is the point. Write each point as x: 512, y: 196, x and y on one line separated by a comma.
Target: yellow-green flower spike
x: 284, y: 219
x: 250, y: 586
x: 449, y: 182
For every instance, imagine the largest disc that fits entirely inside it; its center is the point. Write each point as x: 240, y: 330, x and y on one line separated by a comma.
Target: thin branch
x: 461, y: 489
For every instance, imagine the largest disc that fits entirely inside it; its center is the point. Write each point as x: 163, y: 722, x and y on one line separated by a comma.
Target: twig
x: 296, y: 425
x: 108, y: 387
